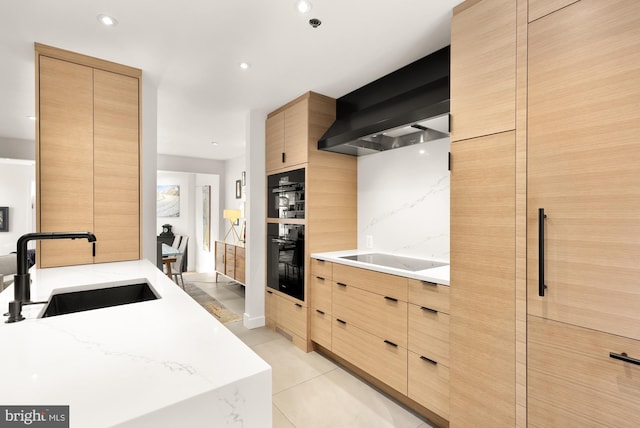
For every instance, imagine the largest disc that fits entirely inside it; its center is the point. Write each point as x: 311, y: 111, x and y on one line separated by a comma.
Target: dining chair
x: 176, y: 241
x: 176, y: 267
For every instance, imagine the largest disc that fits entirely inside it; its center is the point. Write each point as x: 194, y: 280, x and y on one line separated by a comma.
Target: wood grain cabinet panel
x: 239, y: 269
x: 483, y: 68
x: 292, y: 317
x: 321, y: 293
x: 429, y: 294
x: 321, y: 327
x: 375, y: 282
x: 429, y: 384
x: 65, y: 160
x: 371, y: 354
x: 220, y: 254
x: 482, y: 322
x: 230, y: 261
x: 589, y: 190
x: 574, y: 382
x: 381, y: 315
x: 540, y: 8
x: 274, y: 138
x: 322, y: 269
x: 88, y: 157
x: 116, y: 167
x: 429, y: 334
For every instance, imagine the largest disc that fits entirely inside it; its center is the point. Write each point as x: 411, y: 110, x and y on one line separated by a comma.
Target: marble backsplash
x: 403, y: 201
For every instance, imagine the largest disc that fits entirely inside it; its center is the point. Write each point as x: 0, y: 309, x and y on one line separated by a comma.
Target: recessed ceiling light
x: 214, y: 143
x: 244, y: 65
x: 422, y: 151
x: 107, y: 20
x: 303, y: 6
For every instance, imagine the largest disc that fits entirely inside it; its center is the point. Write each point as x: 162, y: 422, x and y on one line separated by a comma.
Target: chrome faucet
x: 22, y: 278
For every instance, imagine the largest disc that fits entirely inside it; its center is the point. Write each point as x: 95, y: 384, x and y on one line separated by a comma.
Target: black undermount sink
x: 86, y: 300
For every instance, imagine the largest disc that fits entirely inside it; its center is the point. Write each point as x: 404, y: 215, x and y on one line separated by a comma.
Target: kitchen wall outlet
x: 369, y: 239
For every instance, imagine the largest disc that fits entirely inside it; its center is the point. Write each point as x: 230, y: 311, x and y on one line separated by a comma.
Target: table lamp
x: 232, y: 215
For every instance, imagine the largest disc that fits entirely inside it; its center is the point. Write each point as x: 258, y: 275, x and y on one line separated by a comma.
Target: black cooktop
x: 398, y: 262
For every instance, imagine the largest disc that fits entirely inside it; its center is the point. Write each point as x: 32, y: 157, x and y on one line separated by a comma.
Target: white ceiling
x: 191, y: 51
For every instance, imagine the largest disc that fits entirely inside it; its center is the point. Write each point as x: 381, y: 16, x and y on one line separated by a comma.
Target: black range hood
x: 408, y: 106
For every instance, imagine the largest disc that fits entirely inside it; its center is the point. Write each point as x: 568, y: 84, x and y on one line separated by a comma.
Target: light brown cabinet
x: 230, y: 261
x: 363, y: 317
x: 287, y: 136
x: 586, y: 178
x: 330, y: 196
x: 88, y: 151
x: 483, y: 68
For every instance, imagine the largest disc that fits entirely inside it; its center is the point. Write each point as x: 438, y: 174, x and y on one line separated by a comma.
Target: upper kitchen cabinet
x: 290, y: 130
x: 540, y: 8
x: 87, y: 161
x: 483, y: 68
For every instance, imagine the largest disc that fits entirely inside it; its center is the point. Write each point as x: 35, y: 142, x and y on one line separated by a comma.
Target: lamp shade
x: 231, y: 214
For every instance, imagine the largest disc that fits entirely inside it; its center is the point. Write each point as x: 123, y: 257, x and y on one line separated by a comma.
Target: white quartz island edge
x: 439, y: 275
x: 160, y: 363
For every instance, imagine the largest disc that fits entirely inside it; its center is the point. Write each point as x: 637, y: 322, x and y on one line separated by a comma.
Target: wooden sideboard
x: 230, y: 261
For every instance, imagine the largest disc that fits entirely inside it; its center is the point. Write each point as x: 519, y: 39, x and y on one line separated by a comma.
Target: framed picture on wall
x: 4, y: 219
x: 238, y: 189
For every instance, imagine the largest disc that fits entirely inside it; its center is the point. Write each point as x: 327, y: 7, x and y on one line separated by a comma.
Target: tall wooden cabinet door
x: 116, y: 167
x: 482, y: 294
x: 274, y: 141
x: 65, y: 160
x: 296, y: 133
x: 220, y: 255
x: 584, y: 166
x: 483, y: 68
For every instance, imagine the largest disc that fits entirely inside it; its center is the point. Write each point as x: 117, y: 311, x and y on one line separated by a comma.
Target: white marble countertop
x: 160, y: 363
x: 438, y: 275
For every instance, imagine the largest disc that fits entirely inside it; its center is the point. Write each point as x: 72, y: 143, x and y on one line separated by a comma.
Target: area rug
x: 213, y: 306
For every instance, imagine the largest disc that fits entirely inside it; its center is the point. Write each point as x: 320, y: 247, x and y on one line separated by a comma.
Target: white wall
x: 403, y: 201
x: 18, y: 193
x: 148, y: 163
x: 233, y: 171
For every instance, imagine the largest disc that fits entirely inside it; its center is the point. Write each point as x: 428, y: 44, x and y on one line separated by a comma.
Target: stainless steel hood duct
x: 408, y: 106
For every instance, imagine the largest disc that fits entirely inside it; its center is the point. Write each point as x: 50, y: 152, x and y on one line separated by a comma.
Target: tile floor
x: 309, y: 391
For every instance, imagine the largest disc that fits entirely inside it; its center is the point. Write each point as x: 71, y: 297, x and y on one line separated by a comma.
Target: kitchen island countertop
x: 439, y: 275
x: 160, y: 363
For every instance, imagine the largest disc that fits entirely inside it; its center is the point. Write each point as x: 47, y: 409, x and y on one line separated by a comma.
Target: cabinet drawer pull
x: 298, y: 305
x: 388, y: 342
x: 341, y: 284
x: 424, y: 308
x: 624, y: 357
x: 541, y: 284
x: 340, y: 321
x: 393, y: 299
x: 320, y: 312
x: 432, y: 284
x: 283, y: 161
x: 320, y: 278
x: 270, y: 292
x: 428, y: 360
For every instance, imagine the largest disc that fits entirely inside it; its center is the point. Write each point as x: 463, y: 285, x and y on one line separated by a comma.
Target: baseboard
x: 251, y: 323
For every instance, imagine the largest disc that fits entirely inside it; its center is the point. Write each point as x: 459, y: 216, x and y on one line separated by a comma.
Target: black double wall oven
x: 285, y: 240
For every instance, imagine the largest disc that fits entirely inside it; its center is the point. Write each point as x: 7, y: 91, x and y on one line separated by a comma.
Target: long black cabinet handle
x: 393, y: 299
x: 424, y: 308
x: 624, y: 357
x: 320, y: 278
x: 340, y: 321
x: 341, y: 284
x: 428, y: 360
x: 298, y: 305
x: 320, y: 312
x: 541, y: 284
x: 270, y: 292
x: 388, y: 342
x: 433, y: 284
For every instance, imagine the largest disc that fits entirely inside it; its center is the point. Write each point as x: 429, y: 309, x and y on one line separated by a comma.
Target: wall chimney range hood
x: 408, y: 106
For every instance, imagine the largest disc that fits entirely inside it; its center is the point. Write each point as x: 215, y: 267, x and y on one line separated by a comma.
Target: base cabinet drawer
x: 429, y: 294
x: 429, y: 384
x: 429, y: 333
x: 321, y: 268
x: 572, y: 379
x: 292, y: 317
x: 321, y: 327
x: 385, y: 316
x: 381, y: 359
x: 320, y: 293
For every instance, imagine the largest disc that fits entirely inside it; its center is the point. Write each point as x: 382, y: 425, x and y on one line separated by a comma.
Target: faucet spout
x: 22, y: 279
